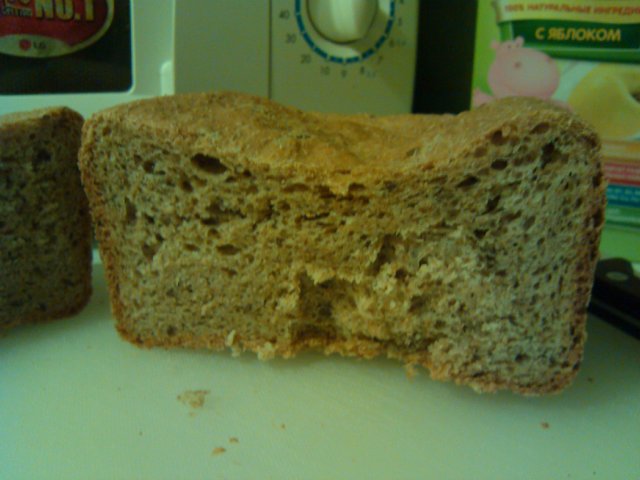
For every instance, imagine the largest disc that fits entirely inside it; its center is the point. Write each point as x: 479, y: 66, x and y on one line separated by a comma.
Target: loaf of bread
x: 45, y: 230
x: 465, y: 244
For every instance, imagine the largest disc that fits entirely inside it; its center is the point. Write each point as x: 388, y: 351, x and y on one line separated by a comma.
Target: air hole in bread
x: 597, y: 180
x: 544, y: 186
x: 386, y: 253
x: 390, y: 186
x: 230, y: 179
x: 325, y: 309
x: 492, y: 204
x: 209, y: 221
x: 468, y: 182
x: 412, y: 152
x: 549, y: 154
x: 230, y: 271
x: 149, y: 166
x: 499, y: 164
x: 227, y: 249
x: 42, y: 156
x: 331, y: 230
x: 284, y: 206
x: 598, y: 218
x: 311, y: 217
x: 401, y: 274
x: 541, y: 128
x: 417, y: 304
x: 185, y: 185
x: 216, y: 211
x: 355, y: 187
x: 171, y: 330
x: 295, y: 187
x: 510, y: 217
x: 309, y: 331
x: 325, y: 192
x: 498, y: 138
x: 479, y: 233
x: 149, y: 251
x: 480, y: 152
x: 528, y: 222
x: 590, y: 140
x: 208, y: 164
x: 190, y: 247
x: 438, y: 180
x: 131, y: 212
x: 521, y: 357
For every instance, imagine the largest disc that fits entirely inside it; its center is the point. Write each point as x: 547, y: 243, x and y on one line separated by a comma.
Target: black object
x: 444, y: 65
x: 616, y: 295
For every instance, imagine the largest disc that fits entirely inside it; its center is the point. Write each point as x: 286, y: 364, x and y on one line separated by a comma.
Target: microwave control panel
x: 344, y: 55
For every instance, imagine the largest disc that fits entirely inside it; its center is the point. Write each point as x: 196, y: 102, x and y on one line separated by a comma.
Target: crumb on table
x: 234, y: 440
x: 193, y: 398
x: 545, y: 425
x: 218, y: 451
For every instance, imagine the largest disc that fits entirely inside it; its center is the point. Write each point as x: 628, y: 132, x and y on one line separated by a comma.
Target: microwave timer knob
x: 342, y: 21
x: 344, y: 55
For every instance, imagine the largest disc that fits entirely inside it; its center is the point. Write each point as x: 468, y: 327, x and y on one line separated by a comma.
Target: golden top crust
x: 245, y: 129
x: 9, y: 120
x: 20, y: 127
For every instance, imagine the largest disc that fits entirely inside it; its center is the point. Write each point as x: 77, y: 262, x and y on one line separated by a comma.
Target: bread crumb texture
x: 45, y: 231
x: 465, y: 244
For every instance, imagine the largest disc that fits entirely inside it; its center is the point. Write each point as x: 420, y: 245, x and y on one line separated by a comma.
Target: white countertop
x: 78, y: 402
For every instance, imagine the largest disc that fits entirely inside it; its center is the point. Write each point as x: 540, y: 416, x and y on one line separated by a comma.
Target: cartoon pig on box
x: 519, y: 71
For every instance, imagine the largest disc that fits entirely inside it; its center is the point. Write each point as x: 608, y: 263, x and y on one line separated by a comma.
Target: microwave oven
x: 324, y: 55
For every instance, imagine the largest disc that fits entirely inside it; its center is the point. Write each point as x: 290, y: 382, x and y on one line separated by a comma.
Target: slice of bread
x: 45, y: 230
x: 465, y: 244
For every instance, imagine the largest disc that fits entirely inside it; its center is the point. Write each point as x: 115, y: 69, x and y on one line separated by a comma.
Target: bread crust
x: 337, y: 152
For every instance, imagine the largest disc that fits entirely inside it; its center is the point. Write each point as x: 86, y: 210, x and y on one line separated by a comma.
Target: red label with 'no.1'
x: 49, y: 28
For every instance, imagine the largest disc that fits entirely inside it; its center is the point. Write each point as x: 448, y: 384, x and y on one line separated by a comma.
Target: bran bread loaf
x: 465, y: 244
x: 45, y: 231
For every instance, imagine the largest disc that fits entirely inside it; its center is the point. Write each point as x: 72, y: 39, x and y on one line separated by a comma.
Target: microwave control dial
x: 344, y: 55
x: 345, y: 31
x: 342, y: 21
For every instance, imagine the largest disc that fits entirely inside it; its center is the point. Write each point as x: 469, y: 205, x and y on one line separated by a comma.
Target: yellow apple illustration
x: 609, y: 98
